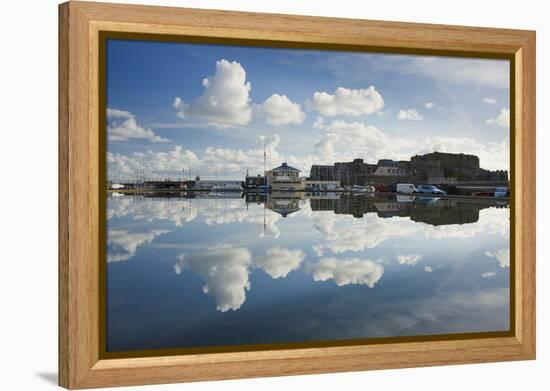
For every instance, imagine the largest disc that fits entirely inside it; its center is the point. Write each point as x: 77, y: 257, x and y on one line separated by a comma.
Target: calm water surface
x: 198, y: 270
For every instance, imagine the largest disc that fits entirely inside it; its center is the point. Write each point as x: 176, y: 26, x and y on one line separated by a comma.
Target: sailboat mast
x: 265, y: 175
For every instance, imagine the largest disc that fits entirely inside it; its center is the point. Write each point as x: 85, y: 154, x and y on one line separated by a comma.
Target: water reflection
x: 347, y: 271
x: 225, y: 272
x: 262, y: 269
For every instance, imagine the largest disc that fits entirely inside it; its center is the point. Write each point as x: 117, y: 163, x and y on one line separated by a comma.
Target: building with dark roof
x: 284, y: 178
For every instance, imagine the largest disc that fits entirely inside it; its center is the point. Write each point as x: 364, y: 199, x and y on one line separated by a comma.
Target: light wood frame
x: 80, y: 191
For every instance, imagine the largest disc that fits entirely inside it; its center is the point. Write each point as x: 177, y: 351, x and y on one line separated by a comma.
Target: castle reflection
x: 429, y: 210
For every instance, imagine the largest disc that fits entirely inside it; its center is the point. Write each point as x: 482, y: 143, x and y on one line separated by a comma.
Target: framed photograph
x: 246, y: 195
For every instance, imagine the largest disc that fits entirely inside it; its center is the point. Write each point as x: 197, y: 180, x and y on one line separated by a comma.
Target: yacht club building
x: 284, y: 178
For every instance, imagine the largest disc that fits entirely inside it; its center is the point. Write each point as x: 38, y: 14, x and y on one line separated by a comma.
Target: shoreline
x: 450, y: 196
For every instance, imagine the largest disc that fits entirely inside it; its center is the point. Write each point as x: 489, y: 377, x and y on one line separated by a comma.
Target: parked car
x: 391, y: 188
x: 430, y: 189
x: 502, y: 192
x: 407, y: 188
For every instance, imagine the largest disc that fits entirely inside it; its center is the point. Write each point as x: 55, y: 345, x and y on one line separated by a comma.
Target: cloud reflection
x: 280, y: 261
x: 343, y: 233
x: 410, y: 259
x: 176, y: 210
x: 226, y: 269
x: 502, y: 256
x: 347, y: 271
x: 179, y: 210
x: 123, y: 244
x: 225, y: 272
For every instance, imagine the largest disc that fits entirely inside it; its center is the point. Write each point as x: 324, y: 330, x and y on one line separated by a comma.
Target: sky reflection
x: 189, y: 270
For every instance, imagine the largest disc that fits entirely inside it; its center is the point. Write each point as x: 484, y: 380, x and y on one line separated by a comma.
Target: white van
x: 407, y: 188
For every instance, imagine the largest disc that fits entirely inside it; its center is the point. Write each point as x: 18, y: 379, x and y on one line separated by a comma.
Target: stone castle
x: 435, y: 168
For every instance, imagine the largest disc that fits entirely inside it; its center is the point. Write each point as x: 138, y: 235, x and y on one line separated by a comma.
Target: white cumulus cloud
x: 279, y: 110
x: 162, y: 164
x: 502, y: 256
x: 319, y: 123
x: 225, y: 100
x: 490, y: 101
x: 347, y: 102
x: 122, y: 126
x: 344, y: 141
x: 429, y: 105
x: 492, y: 73
x: 502, y: 119
x: 428, y: 269
x: 360, y: 139
x: 488, y: 274
x: 326, y: 147
x: 409, y: 114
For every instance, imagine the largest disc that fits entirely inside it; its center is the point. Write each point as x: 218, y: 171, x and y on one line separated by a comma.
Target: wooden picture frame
x: 81, y: 192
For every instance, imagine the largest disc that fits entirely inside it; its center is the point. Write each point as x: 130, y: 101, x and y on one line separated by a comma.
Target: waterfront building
x: 462, y: 167
x: 284, y: 178
x: 447, y: 160
x: 437, y: 168
x: 392, y: 168
x: 254, y: 182
x: 345, y: 173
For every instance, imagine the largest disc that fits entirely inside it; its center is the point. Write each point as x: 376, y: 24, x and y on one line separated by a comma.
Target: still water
x: 202, y: 270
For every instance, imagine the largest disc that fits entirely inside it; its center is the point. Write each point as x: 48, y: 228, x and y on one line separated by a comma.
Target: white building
x: 284, y: 178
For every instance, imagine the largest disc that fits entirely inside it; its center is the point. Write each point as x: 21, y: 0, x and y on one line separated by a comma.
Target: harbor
x: 445, y: 173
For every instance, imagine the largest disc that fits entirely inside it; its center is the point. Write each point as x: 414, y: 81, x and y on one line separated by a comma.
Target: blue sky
x: 209, y: 109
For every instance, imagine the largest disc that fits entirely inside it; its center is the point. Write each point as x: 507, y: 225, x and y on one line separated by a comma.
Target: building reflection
x: 425, y: 209
x: 429, y: 210
x: 283, y: 206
